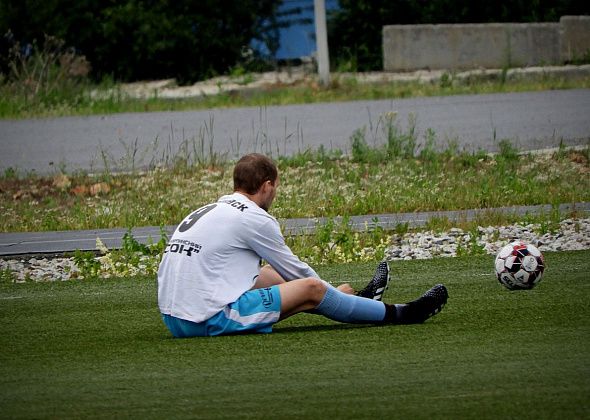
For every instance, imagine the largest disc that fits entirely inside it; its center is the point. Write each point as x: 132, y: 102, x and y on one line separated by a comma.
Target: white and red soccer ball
x: 519, y: 266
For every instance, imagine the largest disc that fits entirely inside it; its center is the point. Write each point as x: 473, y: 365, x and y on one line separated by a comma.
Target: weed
x: 495, y: 235
x: 390, y: 141
x: 580, y: 58
x: 132, y: 259
x: 240, y: 75
x: 547, y: 226
x: 196, y: 152
x: 504, y: 75
x: 87, y: 264
x: 446, y: 80
x: 469, y: 160
x: 428, y: 153
x: 475, y: 248
x: 469, y: 245
x: 347, y: 61
x: 401, y: 228
x: 320, y: 156
x: 562, y: 151
x: 508, y: 152
x: 438, y: 224
x: 337, y: 242
x: 547, y: 223
x: 7, y: 276
x: 10, y: 173
x: 400, y: 143
x: 44, y: 77
x: 461, y: 250
x: 361, y: 152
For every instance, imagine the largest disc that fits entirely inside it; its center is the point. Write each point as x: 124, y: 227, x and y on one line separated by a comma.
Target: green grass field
x: 97, y: 349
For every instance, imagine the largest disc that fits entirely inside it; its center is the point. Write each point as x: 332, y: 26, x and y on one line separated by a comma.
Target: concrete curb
x: 56, y: 243
x: 224, y: 84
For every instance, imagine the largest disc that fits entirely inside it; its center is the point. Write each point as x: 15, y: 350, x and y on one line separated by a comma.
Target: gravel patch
x: 568, y: 235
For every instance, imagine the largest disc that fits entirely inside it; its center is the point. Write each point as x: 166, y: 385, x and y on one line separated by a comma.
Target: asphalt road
x: 530, y: 120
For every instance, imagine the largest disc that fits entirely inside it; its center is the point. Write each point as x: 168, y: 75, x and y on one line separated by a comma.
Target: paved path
x: 533, y: 120
x: 17, y: 244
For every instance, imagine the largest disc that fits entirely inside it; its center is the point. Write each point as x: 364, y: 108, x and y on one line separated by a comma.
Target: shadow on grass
x: 166, y: 336
x: 316, y: 328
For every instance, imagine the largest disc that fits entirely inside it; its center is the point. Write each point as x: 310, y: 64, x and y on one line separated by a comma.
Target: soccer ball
x: 519, y: 266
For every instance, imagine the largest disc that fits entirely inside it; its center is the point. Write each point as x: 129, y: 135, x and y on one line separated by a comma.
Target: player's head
x: 256, y: 173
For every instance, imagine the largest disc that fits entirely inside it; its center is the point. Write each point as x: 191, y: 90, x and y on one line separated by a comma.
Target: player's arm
x: 268, y: 277
x: 269, y: 244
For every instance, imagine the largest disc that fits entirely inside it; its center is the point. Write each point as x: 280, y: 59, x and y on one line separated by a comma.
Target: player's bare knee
x: 267, y: 269
x: 316, y: 290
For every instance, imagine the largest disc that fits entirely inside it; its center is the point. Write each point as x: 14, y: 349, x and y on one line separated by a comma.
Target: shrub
x: 46, y: 75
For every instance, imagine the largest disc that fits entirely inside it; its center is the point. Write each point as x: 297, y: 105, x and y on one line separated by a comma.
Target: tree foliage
x: 194, y: 39
x: 355, y: 29
x: 147, y: 39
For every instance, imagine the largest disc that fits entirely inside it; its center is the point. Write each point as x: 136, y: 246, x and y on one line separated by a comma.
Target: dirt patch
x: 59, y: 187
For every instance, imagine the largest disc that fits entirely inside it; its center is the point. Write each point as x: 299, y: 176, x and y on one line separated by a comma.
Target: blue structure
x: 298, y: 39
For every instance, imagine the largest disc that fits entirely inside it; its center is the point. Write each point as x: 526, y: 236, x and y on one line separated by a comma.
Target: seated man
x: 210, y: 281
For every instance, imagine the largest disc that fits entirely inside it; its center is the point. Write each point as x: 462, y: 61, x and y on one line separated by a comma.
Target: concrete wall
x: 575, y: 37
x: 494, y: 45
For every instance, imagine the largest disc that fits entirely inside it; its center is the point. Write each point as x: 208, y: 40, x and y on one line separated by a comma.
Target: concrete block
x: 575, y: 37
x: 468, y: 46
x: 532, y: 44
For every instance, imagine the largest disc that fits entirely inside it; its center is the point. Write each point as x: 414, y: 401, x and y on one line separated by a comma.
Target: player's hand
x: 346, y: 288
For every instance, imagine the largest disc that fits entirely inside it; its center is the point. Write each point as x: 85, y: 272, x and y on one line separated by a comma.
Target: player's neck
x: 245, y: 194
x: 257, y: 198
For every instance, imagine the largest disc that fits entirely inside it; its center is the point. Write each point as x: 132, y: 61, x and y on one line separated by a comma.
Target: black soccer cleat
x: 426, y: 306
x: 378, y: 284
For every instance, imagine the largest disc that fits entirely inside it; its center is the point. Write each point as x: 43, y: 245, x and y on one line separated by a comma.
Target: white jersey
x: 214, y: 257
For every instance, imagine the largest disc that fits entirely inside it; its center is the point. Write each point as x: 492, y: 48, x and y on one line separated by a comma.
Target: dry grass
x: 309, y: 188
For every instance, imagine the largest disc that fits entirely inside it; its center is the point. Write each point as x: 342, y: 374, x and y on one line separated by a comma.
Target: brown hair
x: 252, y: 171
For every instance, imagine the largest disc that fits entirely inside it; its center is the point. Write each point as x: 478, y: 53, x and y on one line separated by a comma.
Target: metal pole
x: 322, y: 41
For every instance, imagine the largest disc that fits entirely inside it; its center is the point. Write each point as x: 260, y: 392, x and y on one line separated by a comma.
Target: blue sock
x: 352, y: 309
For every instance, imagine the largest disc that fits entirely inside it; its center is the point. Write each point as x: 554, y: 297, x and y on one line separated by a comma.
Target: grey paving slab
x: 68, y: 241
x: 15, y: 244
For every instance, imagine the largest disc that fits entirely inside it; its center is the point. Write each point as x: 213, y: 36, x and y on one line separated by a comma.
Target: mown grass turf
x: 97, y: 349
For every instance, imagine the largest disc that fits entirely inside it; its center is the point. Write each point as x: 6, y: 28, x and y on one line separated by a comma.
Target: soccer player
x: 210, y: 280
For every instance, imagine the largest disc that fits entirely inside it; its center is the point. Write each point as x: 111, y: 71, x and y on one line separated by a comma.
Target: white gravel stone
x: 569, y: 235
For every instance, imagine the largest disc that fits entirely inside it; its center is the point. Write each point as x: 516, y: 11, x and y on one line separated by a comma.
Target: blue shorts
x: 254, y: 312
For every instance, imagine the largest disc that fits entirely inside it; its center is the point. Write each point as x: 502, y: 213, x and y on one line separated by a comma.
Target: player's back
x: 208, y: 262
